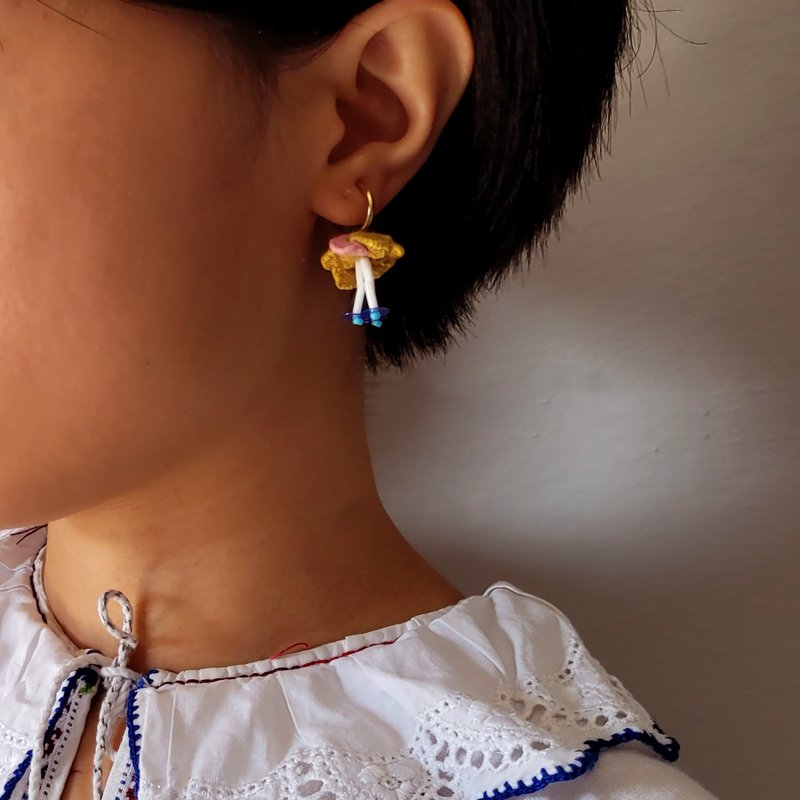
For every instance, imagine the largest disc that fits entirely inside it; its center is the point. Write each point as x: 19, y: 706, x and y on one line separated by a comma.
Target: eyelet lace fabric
x: 544, y: 729
x: 492, y: 697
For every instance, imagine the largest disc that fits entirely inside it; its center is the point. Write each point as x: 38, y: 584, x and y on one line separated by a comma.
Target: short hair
x: 520, y: 141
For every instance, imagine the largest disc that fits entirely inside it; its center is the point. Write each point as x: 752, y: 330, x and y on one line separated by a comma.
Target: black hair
x: 519, y: 142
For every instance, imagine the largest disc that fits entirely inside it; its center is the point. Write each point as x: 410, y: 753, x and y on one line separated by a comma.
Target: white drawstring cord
x: 117, y: 679
x: 37, y: 751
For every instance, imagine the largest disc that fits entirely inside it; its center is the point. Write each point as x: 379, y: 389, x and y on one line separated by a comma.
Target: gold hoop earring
x: 357, y: 259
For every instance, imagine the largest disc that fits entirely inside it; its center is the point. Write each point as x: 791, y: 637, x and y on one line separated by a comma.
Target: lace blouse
x: 490, y: 697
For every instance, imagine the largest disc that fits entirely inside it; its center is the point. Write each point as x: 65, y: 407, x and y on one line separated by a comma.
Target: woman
x: 184, y: 398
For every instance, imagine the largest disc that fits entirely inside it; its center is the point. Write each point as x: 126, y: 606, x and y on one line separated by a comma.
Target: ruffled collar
x: 492, y: 696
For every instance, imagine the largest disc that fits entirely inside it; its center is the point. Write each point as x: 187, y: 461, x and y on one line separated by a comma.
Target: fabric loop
x: 117, y: 680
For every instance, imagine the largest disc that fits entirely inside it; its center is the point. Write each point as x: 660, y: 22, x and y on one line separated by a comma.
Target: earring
x: 357, y: 259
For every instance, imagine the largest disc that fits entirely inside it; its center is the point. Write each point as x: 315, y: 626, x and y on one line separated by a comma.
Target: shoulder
x: 629, y: 775
x: 592, y: 739
x: 493, y: 697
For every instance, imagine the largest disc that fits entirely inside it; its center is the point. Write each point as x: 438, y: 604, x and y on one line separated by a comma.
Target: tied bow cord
x: 118, y: 681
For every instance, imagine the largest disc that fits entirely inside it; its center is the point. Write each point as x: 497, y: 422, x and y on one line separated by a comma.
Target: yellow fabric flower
x: 380, y: 248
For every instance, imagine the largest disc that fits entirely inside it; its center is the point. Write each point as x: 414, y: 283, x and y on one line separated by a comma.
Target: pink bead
x: 343, y: 246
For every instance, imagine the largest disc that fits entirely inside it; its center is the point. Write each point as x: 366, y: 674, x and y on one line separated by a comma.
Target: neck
x: 233, y: 556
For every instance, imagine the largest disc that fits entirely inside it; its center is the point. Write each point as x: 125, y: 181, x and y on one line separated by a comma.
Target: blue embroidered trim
x: 134, y: 729
x: 66, y: 693
x: 587, y: 759
x: 16, y: 776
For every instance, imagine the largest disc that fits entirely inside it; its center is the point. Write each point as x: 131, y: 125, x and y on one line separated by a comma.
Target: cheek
x: 119, y: 307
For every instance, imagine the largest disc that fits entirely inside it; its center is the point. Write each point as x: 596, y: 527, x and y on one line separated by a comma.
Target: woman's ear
x: 388, y: 82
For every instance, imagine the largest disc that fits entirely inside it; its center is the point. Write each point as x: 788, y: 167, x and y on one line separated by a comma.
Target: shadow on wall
x: 620, y: 432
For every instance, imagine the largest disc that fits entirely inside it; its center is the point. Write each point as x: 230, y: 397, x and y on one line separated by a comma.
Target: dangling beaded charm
x: 356, y: 260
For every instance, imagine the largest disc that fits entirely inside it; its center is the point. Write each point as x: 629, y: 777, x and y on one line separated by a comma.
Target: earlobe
x: 396, y: 74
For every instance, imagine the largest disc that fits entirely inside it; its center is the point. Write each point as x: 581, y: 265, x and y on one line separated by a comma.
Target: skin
x: 180, y: 399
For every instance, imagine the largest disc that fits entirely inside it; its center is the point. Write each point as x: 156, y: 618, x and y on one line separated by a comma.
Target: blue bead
x: 357, y: 320
x: 375, y: 313
x: 377, y: 323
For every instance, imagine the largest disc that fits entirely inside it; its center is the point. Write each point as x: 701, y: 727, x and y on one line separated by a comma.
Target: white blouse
x: 490, y: 697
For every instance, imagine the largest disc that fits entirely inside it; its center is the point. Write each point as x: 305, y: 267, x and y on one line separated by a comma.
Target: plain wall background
x: 620, y: 433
